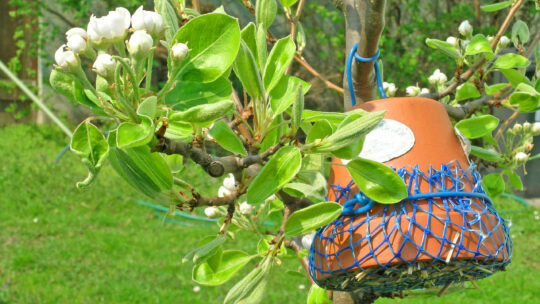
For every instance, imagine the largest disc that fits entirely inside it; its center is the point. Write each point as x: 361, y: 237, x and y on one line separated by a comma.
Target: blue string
x: 353, y: 54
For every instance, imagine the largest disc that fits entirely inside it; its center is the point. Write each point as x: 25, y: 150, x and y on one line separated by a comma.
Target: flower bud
x: 504, y: 41
x: 211, y: 212
x: 517, y: 128
x: 66, y: 60
x: 179, y: 52
x: 465, y: 28
x: 229, y: 182
x: 140, y: 44
x: 536, y: 128
x: 222, y: 191
x: 104, y: 65
x: 76, y: 31
x: 245, y: 208
x: 151, y: 22
x: 389, y: 88
x: 527, y: 127
x: 271, y: 198
x: 521, y: 157
x: 412, y: 91
x: 437, y: 77
x: 307, y: 240
x: 528, y: 146
x: 76, y: 43
x: 111, y: 27
x: 424, y: 91
x: 452, y: 40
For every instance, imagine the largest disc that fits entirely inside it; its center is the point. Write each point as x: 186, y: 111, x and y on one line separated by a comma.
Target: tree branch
x: 462, y: 111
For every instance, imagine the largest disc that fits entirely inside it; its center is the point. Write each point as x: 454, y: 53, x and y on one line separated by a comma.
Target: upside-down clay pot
x: 419, y: 236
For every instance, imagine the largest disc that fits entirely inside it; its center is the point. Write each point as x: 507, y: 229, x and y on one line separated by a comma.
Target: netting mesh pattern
x: 448, y: 233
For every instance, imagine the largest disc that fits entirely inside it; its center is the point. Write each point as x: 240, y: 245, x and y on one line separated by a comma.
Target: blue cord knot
x: 353, y: 54
x: 359, y: 198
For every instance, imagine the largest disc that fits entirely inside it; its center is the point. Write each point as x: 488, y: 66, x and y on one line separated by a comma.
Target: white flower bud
x: 504, y: 41
x: 424, y: 91
x: 412, y: 91
x: 245, y: 208
x: 66, y: 60
x: 465, y: 28
x: 389, y: 88
x: 151, y: 22
x: 104, y: 65
x: 464, y: 43
x: 271, y: 198
x: 76, y: 43
x: 110, y: 27
x: 179, y: 52
x: 452, y: 40
x: 222, y: 191
x: 211, y: 212
x: 521, y: 157
x: 517, y: 128
x: 76, y: 31
x: 526, y: 126
x: 140, y: 44
x: 536, y: 128
x: 489, y: 38
x: 307, y: 240
x: 437, y: 77
x: 229, y: 182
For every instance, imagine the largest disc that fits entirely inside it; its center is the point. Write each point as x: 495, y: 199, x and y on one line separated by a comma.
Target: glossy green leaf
x: 89, y: 143
x: 246, y: 69
x: 318, y: 295
x: 352, y: 150
x: 478, y: 126
x: 262, y: 49
x: 320, y: 129
x: 175, y: 162
x: 493, y: 184
x: 496, y: 6
x: 514, y: 77
x: 133, y: 135
x: 205, y: 249
x: 265, y: 12
x: 297, y: 108
x: 445, y: 47
x: 300, y: 36
x: 312, y: 217
x: 377, y: 181
x: 492, y: 89
x: 215, y: 273
x: 249, y: 37
x: 284, y: 93
x: 203, y: 114
x: 514, y: 180
x: 187, y: 94
x: 478, y: 44
x: 310, y: 184
x: 525, y: 101
x: 279, y: 171
x: 467, y: 91
x: 278, y: 61
x: 212, y: 50
x: 225, y: 137
x: 288, y: 3
x: 489, y: 155
x: 511, y: 61
x: 520, y: 32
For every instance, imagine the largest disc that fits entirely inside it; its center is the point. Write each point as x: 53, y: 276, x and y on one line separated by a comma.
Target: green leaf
x: 265, y: 12
x: 249, y: 37
x: 175, y: 162
x: 89, y: 143
x: 489, y: 155
x: 288, y: 3
x: 478, y: 44
x: 145, y: 171
x: 310, y: 184
x: 300, y: 36
x: 346, y: 135
x: 525, y: 101
x: 493, y: 184
x: 250, y: 285
x: 206, y: 248
x: 262, y: 49
x: 278, y: 61
x: 445, y: 47
x: 377, y: 181
x: 510, y: 61
x: 67, y: 85
x: 514, y: 77
x: 245, y: 68
x: 514, y: 179
x: 284, y: 93
x: 467, y: 91
x: 297, y: 109
x: 318, y: 295
x: 353, y: 150
x: 520, y: 32
x: 312, y: 217
x: 478, y: 126
x: 212, y: 50
x: 166, y: 9
x: 320, y: 129
x: 179, y: 130
x: 148, y: 107
x: 496, y: 6
x: 187, y: 94
x: 133, y: 135
x: 492, y: 89
x: 204, y: 114
x: 215, y: 273
x: 264, y: 246
x: 278, y: 172
x: 225, y: 137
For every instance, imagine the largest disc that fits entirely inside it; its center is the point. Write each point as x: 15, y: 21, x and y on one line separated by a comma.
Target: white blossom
x: 66, y: 59
x: 465, y: 28
x: 389, y: 88
x: 222, y: 191
x: 504, y: 41
x: 179, y: 52
x: 229, y: 182
x: 424, y: 91
x: 112, y: 26
x: 527, y: 126
x: 140, y: 44
x: 307, y: 240
x: 521, y: 157
x: 211, y: 212
x: 149, y: 21
x: 412, y: 91
x: 452, y: 40
x: 76, y: 31
x: 76, y: 43
x: 196, y: 289
x: 517, y: 128
x: 245, y: 208
x: 536, y: 128
x: 104, y: 65
x: 437, y: 77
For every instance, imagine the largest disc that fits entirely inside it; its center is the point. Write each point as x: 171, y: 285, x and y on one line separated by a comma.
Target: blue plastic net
x: 448, y: 233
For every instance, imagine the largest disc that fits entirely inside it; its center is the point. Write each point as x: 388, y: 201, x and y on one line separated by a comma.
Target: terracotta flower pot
x: 385, y: 248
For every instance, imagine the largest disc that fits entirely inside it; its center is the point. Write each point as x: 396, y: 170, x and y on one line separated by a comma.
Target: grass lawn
x: 63, y: 245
